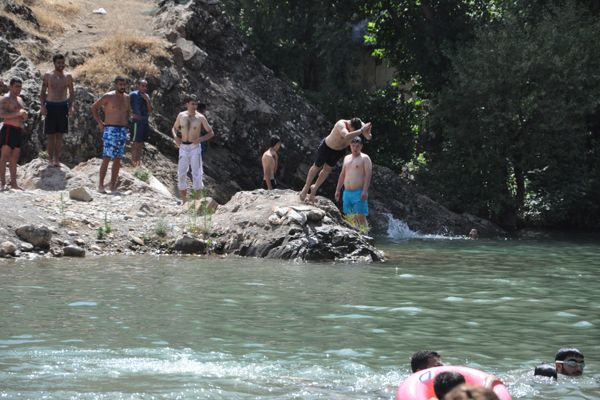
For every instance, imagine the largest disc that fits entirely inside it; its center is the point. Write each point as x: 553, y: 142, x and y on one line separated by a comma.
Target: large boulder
x: 37, y: 235
x: 276, y: 224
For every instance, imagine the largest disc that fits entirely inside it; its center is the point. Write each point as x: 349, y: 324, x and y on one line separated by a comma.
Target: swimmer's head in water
x: 356, y: 123
x: 445, y: 382
x: 569, y: 361
x: 425, y: 359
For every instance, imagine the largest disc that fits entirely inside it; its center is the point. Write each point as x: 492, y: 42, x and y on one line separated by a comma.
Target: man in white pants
x: 186, y: 132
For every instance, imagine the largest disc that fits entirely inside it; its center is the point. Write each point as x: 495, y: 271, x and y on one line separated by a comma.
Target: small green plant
x: 205, y: 212
x: 61, y: 208
x: 43, y: 154
x: 107, y: 226
x: 353, y: 220
x: 142, y: 174
x: 162, y: 228
x: 100, y: 233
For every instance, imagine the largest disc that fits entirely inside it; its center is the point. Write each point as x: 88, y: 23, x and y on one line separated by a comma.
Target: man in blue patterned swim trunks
x: 117, y: 109
x: 355, y: 178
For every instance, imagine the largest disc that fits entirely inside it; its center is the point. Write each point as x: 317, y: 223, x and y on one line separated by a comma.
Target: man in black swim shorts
x: 56, y: 107
x: 12, y: 110
x: 331, y: 150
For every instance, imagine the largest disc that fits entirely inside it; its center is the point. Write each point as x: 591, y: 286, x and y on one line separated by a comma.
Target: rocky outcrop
x: 246, y: 104
x: 275, y: 224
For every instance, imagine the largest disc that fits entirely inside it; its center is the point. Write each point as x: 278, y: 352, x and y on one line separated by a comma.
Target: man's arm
x: 148, y: 102
x: 95, y: 107
x: 71, y: 93
x: 268, y: 170
x: 176, y: 127
x: 368, y: 166
x: 209, y: 130
x: 43, y: 110
x: 6, y: 113
x: 340, y: 182
x: 345, y: 134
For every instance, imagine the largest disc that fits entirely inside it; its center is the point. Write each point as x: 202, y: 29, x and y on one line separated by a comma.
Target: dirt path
x: 87, y: 28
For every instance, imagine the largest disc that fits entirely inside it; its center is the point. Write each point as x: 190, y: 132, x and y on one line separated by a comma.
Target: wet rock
x: 80, y: 194
x: 73, y: 251
x: 26, y: 247
x: 7, y: 248
x: 38, y: 236
x: 190, y: 245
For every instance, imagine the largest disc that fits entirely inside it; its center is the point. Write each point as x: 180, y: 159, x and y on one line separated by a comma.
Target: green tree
x: 515, y: 120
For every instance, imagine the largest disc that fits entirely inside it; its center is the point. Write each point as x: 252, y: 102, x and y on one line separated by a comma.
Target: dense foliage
x: 501, y: 113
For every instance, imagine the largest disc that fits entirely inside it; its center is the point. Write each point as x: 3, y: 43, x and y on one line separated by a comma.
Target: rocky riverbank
x: 61, y: 214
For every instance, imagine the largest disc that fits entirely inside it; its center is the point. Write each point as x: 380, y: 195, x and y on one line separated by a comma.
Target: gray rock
x: 136, y: 240
x: 7, y: 248
x: 80, y: 194
x: 73, y: 251
x: 39, y: 236
x: 26, y: 247
x: 190, y: 245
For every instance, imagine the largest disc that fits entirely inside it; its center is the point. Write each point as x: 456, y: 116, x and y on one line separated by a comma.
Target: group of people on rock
x: 124, y: 112
x: 451, y: 385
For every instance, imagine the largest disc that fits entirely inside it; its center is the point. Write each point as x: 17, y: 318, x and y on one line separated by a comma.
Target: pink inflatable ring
x: 419, y: 386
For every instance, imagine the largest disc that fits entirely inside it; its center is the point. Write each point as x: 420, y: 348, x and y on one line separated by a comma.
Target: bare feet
x: 303, y: 193
x: 15, y: 186
x: 116, y: 186
x: 313, y: 193
x: 101, y: 189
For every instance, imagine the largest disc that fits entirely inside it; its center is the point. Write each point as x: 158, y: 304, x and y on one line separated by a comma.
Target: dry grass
x: 54, y: 15
x: 126, y: 54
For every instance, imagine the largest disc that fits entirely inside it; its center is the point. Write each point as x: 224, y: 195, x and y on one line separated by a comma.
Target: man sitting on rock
x: 12, y: 110
x: 356, y: 178
x: 186, y: 132
x: 330, y: 150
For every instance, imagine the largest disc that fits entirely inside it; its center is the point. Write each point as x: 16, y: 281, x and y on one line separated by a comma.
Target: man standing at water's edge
x: 12, y: 110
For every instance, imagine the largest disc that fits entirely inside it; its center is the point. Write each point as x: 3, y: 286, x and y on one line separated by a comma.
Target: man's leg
x: 4, y: 157
x: 12, y: 166
x: 322, y: 176
x: 50, y: 149
x: 58, y: 141
x: 312, y: 172
x: 136, y: 151
x: 103, y: 169
x: 114, y: 174
x: 361, y: 219
x: 182, y: 169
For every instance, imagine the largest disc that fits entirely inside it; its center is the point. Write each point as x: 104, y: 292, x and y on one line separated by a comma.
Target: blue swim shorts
x: 353, y: 204
x: 114, y: 139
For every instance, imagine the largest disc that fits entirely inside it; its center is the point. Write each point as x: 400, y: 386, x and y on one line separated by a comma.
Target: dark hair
x: 356, y: 139
x: 15, y: 80
x: 57, y: 56
x: 274, y: 140
x: 190, y: 97
x: 445, y: 382
x: 119, y: 78
x: 465, y: 392
x: 545, y: 370
x: 141, y: 80
x: 565, y: 352
x: 356, y: 123
x: 420, y: 359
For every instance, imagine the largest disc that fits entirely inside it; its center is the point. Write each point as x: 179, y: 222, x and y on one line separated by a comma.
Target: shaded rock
x: 258, y: 224
x: 80, y: 194
x: 190, y: 245
x: 7, y: 248
x: 38, y: 236
x: 73, y: 251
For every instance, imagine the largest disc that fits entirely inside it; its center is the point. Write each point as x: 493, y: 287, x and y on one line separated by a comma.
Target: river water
x: 193, y: 327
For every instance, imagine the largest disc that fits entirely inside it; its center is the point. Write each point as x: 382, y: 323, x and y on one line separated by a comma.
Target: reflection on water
x: 174, y: 328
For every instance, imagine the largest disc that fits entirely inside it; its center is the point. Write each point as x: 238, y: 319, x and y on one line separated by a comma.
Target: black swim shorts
x: 11, y: 136
x: 140, y: 131
x: 57, y: 119
x: 326, y: 155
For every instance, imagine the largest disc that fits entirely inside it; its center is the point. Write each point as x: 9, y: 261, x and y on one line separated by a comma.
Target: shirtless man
x: 330, y: 150
x: 356, y: 178
x: 270, y: 161
x: 56, y: 107
x: 12, y: 110
x: 189, y: 123
x: 114, y: 127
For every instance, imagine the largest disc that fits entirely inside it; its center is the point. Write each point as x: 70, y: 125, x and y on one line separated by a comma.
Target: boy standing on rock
x: 12, y: 110
x: 114, y: 130
x: 356, y: 178
x: 270, y: 162
x: 141, y: 107
x: 186, y: 132
x: 56, y: 107
x: 330, y: 150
